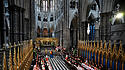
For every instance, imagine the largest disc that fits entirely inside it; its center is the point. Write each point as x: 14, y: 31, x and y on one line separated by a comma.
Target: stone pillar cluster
x: 66, y: 30
x: 105, y: 26
x: 2, y: 23
x: 22, y: 18
x: 21, y: 21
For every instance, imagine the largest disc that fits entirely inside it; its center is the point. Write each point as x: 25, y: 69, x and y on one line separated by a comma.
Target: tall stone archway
x: 38, y: 31
x: 45, y: 32
x: 74, y: 32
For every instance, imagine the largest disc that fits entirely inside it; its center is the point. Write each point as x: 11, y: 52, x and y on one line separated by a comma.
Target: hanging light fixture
x: 119, y: 15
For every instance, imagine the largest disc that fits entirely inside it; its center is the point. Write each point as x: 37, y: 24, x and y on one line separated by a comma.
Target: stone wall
x: 118, y: 33
x: 22, y: 20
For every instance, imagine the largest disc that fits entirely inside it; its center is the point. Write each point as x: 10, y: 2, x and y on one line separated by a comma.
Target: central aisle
x: 57, y: 63
x: 45, y: 60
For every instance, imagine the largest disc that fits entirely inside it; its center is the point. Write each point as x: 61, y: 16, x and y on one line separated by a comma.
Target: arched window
x: 52, y: 5
x: 45, y: 5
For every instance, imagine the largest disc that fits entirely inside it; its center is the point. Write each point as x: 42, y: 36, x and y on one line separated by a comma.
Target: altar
x: 46, y: 42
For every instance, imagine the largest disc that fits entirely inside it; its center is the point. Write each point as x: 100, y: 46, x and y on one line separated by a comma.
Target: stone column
x: 66, y: 30
x: 83, y: 30
x: 66, y: 38
x: 106, y: 8
x: 14, y: 18
x: 26, y: 28
x: 102, y: 27
x: 75, y: 37
x: 96, y: 31
x: 18, y: 24
x: 22, y: 29
x: 61, y: 32
x: 105, y: 26
x: 1, y: 23
x: 21, y: 24
x: 32, y: 17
